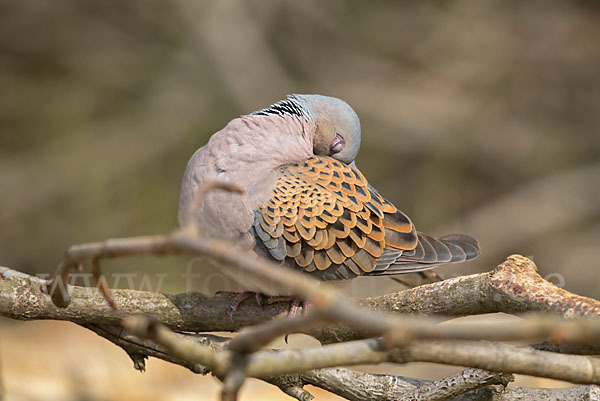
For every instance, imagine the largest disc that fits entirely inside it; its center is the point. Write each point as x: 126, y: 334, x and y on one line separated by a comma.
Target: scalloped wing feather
x: 324, y: 218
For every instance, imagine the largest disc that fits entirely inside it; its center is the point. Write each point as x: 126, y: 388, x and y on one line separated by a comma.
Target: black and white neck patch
x: 291, y: 106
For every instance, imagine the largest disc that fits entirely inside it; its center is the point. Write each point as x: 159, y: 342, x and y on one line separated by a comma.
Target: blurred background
x: 477, y: 117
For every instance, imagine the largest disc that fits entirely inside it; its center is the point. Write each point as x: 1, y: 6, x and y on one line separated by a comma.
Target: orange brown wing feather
x: 325, y: 218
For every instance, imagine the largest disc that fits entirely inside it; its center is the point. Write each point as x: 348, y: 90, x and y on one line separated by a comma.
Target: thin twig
x: 180, y: 348
x: 234, y: 378
x: 102, y: 284
x: 581, y: 330
x: 254, y: 338
x: 140, y: 348
x: 505, y: 358
x: 291, y: 385
x: 112, y: 248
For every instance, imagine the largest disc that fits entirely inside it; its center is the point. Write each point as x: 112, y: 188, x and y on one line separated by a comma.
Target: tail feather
x: 429, y: 253
x: 468, y: 244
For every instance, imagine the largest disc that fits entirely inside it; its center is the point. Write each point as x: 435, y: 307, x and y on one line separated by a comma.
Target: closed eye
x: 337, y: 144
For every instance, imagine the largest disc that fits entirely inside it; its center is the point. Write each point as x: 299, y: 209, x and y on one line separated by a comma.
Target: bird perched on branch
x: 305, y: 204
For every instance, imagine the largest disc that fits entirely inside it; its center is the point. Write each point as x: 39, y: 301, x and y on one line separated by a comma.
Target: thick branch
x: 502, y: 290
x: 359, y: 386
x: 22, y: 298
x: 513, y: 287
x: 461, y: 383
x: 520, y: 393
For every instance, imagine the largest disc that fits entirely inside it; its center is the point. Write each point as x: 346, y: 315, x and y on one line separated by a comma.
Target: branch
x: 347, y: 383
x: 505, y: 358
x: 498, y: 285
x: 254, y: 338
x: 25, y: 300
x: 360, y: 386
x: 139, y: 349
x: 501, y: 290
x: 513, y: 287
x: 326, y: 302
x: 377, y: 387
x: 520, y: 393
x: 479, y: 354
x: 461, y: 383
x: 22, y: 298
x: 291, y: 385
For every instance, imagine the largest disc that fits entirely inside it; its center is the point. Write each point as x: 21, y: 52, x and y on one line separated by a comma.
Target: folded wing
x: 324, y: 218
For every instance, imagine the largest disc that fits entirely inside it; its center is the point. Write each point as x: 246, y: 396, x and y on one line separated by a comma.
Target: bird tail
x: 462, y: 247
x: 429, y: 253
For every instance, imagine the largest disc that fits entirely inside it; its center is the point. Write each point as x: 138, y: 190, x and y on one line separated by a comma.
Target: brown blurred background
x: 478, y: 117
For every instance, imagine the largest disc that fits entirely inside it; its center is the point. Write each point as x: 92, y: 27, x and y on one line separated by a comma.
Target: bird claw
x: 293, y: 307
x: 262, y: 301
x: 238, y: 298
x: 295, y: 303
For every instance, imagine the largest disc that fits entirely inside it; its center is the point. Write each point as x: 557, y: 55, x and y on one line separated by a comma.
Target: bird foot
x: 239, y: 297
x: 295, y: 303
x: 262, y: 300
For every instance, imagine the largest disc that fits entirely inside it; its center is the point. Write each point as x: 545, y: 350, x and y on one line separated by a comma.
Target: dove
x: 305, y: 204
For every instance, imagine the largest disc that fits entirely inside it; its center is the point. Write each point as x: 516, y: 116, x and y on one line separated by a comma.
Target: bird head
x: 337, y: 127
